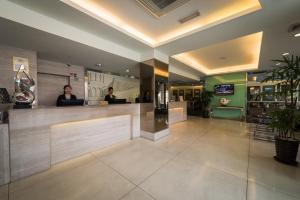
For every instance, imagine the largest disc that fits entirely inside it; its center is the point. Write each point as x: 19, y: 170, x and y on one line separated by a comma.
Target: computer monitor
x: 72, y: 102
x: 119, y: 101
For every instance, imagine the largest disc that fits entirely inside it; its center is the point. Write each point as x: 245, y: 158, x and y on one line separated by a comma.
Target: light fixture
x: 132, y: 77
x: 277, y: 64
x: 285, y: 54
x: 98, y: 65
x: 127, y: 70
x: 294, y: 29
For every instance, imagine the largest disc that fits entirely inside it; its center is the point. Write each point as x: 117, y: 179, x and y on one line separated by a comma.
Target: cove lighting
x: 97, y: 10
x: 194, y: 61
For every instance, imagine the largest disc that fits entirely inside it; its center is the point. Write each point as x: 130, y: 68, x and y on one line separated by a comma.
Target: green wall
x: 238, y: 99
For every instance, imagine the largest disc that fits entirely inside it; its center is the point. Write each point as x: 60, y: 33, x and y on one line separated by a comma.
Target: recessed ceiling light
x: 297, y: 35
x: 99, y: 65
x: 127, y: 70
x: 285, y: 54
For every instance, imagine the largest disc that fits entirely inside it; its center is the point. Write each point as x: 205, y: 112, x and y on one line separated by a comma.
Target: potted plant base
x: 286, y: 150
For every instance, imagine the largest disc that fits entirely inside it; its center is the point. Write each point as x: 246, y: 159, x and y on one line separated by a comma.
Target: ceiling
x: 54, y: 48
x: 273, y: 20
x: 131, y: 18
x: 240, y: 54
x: 175, y: 79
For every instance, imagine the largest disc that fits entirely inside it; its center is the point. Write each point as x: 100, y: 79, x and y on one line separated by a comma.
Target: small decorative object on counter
x: 224, y: 101
x: 24, y: 89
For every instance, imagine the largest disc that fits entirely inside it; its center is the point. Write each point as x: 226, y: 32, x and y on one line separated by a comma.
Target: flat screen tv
x: 224, y: 89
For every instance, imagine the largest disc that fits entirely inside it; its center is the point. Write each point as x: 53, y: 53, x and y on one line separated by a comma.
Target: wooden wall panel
x: 62, y: 69
x: 50, y: 87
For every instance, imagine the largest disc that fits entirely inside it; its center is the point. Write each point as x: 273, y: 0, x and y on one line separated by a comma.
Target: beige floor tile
x: 171, y: 144
x: 201, y: 159
x: 87, y: 178
x: 219, y: 157
x: 138, y: 161
x: 137, y: 194
x: 184, y: 179
x: 4, y: 192
x: 270, y: 173
x: 259, y: 192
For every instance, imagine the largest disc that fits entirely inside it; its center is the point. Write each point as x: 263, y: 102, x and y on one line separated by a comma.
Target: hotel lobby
x: 149, y: 99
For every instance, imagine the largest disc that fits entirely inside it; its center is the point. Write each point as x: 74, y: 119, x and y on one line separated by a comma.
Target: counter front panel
x: 42, y: 137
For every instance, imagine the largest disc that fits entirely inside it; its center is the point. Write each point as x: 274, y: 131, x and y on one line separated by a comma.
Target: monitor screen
x: 224, y: 89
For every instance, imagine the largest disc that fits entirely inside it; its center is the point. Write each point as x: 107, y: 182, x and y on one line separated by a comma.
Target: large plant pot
x: 286, y: 150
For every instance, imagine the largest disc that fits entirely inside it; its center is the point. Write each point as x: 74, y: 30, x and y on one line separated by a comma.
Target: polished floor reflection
x: 205, y: 159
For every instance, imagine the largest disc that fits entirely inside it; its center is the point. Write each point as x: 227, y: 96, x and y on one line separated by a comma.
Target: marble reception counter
x: 177, y: 111
x: 42, y: 137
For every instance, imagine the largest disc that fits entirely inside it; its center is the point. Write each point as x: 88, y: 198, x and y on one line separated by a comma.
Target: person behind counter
x: 110, y: 98
x: 66, y: 96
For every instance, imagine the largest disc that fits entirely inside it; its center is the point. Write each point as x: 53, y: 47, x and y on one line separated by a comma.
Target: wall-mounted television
x: 224, y: 89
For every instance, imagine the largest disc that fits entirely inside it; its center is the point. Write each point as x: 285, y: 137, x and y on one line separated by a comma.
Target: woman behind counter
x: 66, y: 96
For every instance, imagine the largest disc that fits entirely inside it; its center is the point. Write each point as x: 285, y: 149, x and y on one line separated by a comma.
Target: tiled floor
x: 202, y: 159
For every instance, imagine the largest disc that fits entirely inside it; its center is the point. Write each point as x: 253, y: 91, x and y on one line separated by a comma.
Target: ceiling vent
x: 190, y: 17
x: 159, y: 8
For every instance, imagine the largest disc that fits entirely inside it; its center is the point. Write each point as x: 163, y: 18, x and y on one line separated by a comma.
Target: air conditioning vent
x: 190, y: 17
x: 159, y: 8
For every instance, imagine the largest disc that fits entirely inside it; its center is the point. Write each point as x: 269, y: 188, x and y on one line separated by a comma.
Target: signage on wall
x: 20, y: 62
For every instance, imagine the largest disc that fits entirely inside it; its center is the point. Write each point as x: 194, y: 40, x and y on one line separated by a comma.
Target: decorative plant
x: 284, y: 121
x: 205, y: 100
x: 288, y: 74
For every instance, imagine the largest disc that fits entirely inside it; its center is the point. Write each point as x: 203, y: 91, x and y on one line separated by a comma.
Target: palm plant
x: 288, y: 74
x: 205, y: 100
x: 285, y: 121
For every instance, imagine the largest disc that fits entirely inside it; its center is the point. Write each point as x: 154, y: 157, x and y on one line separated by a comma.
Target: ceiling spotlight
x: 99, y: 65
x: 285, y: 54
x: 127, y: 70
x: 297, y: 35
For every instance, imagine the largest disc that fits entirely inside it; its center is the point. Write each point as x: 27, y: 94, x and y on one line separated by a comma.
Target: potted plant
x: 205, y: 100
x: 285, y: 120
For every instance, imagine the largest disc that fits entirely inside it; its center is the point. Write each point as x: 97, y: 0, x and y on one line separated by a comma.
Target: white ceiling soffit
x: 40, y: 21
x: 274, y: 20
x: 184, y: 70
x: 54, y: 48
x: 240, y: 54
x: 130, y: 18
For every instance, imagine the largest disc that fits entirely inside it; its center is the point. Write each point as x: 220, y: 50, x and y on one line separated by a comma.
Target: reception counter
x: 4, y: 154
x: 42, y: 137
x: 177, y: 111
